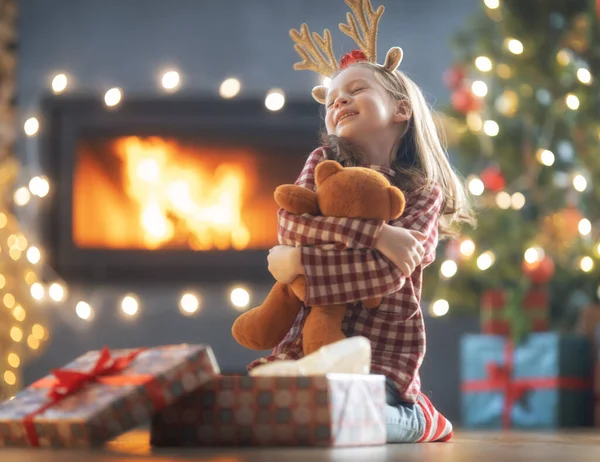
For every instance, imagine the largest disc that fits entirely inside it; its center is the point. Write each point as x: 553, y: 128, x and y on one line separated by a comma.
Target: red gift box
x: 330, y: 410
x: 494, y: 321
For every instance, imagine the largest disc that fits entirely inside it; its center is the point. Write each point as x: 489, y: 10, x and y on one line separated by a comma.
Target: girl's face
x: 359, y: 108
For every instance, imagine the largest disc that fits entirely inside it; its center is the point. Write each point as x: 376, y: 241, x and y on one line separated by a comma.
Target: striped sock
x: 437, y: 427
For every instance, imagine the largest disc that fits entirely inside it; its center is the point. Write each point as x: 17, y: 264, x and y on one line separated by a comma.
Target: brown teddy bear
x: 352, y: 192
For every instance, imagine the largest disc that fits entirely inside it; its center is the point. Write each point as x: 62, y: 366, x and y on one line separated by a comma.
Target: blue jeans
x: 405, y: 421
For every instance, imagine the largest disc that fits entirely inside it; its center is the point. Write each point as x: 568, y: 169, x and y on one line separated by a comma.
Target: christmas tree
x: 523, y: 126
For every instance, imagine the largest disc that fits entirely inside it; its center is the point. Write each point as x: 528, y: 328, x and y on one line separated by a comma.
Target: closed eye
x: 356, y: 90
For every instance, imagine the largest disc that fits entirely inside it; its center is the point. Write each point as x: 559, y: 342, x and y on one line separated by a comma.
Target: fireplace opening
x: 168, y: 189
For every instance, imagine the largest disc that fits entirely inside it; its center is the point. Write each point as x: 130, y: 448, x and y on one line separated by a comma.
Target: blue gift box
x: 543, y: 382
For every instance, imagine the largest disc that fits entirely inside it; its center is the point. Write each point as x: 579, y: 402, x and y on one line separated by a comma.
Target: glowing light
x: 19, y: 313
x: 486, y: 260
x: 518, y: 201
x: 33, y: 255
x: 59, y: 83
x: 189, y: 303
x: 170, y: 80
x: 31, y: 126
x: 130, y: 305
x: 467, y: 247
x: 563, y: 57
x: 38, y: 331
x: 483, y: 63
x: 14, y: 360
x: 56, y: 292
x: 545, y: 157
x: 240, y: 298
x: 326, y: 82
x: 275, y: 100
x: 83, y: 310
x: 586, y: 264
x: 579, y: 183
x: 37, y: 291
x: 533, y: 254
x: 39, y: 186
x: 33, y: 342
x: 9, y: 300
x: 476, y: 187
x: 16, y: 334
x: 584, y: 227
x: 572, y: 101
x: 584, y: 76
x: 113, y: 97
x: 503, y: 200
x: 448, y: 268
x: 492, y: 4
x: 514, y: 46
x: 440, y: 307
x: 479, y: 88
x: 491, y: 128
x: 10, y: 378
x: 474, y: 121
x: 22, y: 196
x: 230, y: 87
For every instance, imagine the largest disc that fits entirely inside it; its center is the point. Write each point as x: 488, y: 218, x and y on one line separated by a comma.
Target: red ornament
x: 541, y: 271
x: 493, y: 179
x: 355, y: 56
x: 464, y: 101
x: 454, y: 77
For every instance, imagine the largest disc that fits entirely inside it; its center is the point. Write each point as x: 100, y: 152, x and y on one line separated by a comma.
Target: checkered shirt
x: 343, y: 267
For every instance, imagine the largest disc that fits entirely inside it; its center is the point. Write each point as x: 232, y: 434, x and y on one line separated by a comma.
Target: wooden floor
x: 466, y: 447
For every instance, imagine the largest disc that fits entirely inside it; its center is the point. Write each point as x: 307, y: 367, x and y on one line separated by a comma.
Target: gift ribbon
x: 67, y: 382
x: 499, y: 377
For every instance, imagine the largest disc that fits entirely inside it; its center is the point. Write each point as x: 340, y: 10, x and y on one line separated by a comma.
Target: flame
x: 164, y: 196
x: 162, y: 188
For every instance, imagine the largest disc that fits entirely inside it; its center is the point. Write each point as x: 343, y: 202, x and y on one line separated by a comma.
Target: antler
x: 368, y: 22
x: 310, y: 51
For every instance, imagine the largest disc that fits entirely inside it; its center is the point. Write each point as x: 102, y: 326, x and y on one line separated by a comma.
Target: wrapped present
x: 597, y: 394
x: 102, y: 394
x: 499, y: 317
x: 326, y: 410
x: 588, y: 324
x: 543, y: 382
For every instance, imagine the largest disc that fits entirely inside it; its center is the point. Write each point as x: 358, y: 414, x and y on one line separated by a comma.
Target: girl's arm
x: 346, y: 276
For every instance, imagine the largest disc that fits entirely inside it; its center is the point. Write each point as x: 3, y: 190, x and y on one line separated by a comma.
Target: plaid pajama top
x: 342, y: 266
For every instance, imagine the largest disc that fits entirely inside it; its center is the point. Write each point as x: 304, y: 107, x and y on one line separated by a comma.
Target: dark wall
x: 108, y: 43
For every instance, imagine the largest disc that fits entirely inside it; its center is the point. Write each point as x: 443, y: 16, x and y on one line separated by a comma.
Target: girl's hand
x: 402, y: 246
x: 285, y: 263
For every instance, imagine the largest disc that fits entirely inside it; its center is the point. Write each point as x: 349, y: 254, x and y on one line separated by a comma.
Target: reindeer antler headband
x: 317, y: 53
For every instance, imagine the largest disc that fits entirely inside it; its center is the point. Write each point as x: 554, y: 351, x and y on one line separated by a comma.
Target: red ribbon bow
x: 67, y: 382
x: 500, y: 377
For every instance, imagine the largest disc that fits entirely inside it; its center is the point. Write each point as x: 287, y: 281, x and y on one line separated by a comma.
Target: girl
x: 378, y: 118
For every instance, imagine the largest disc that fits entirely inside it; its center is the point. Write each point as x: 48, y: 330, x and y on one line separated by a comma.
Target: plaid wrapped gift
x: 494, y: 317
x: 330, y: 410
x: 102, y: 394
x: 543, y: 382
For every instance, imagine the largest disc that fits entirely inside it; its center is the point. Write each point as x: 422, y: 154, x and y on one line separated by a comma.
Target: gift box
x: 102, y: 394
x: 329, y: 410
x: 597, y: 394
x: 495, y: 318
x: 543, y: 382
x: 588, y: 324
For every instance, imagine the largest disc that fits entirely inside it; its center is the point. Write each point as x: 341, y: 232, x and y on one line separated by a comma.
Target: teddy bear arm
x: 297, y: 199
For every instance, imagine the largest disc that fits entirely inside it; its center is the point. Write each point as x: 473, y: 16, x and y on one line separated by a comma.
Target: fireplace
x: 168, y: 189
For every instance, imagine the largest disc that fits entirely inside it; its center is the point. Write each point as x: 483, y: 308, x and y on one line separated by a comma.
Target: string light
x: 130, y: 305
x: 584, y: 227
x: 545, y: 157
x: 474, y: 122
x: 514, y: 46
x: 503, y: 200
x: 31, y: 126
x: 467, y: 247
x: 275, y: 99
x: 56, y: 292
x: 491, y: 128
x: 37, y: 291
x: 476, y: 186
x: 572, y: 101
x: 532, y: 255
x: 584, y: 76
x: 59, y: 83
x: 230, y: 87
x: 240, y: 298
x: 189, y: 303
x: 113, y: 97
x: 22, y: 196
x: 586, y: 264
x: 579, y: 183
x: 479, y: 88
x: 483, y: 63
x: 440, y: 307
x: 492, y: 4
x: 448, y: 268
x: 33, y: 255
x: 170, y: 80
x: 486, y: 260
x: 83, y: 310
x: 39, y: 186
x: 563, y: 57
x: 518, y: 201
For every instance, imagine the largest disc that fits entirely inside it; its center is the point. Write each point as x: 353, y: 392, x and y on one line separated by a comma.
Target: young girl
x: 377, y: 117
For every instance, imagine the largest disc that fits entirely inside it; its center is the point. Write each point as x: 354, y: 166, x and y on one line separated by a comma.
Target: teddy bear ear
x: 325, y: 169
x: 397, y: 202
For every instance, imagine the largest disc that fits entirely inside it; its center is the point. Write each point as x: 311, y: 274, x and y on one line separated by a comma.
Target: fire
x: 168, y: 193
x: 152, y: 193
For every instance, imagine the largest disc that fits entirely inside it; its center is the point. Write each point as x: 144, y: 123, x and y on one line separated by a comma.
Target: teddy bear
x: 351, y: 192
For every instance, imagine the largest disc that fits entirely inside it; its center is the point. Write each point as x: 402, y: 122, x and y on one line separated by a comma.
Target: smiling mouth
x: 345, y: 116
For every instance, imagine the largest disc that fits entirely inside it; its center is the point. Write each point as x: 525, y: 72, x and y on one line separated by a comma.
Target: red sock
x: 437, y: 427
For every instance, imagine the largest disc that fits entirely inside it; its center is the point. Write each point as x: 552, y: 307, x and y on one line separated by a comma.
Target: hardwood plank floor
x: 581, y: 446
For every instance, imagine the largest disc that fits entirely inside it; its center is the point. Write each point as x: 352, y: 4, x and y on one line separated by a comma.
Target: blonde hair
x: 421, y: 159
